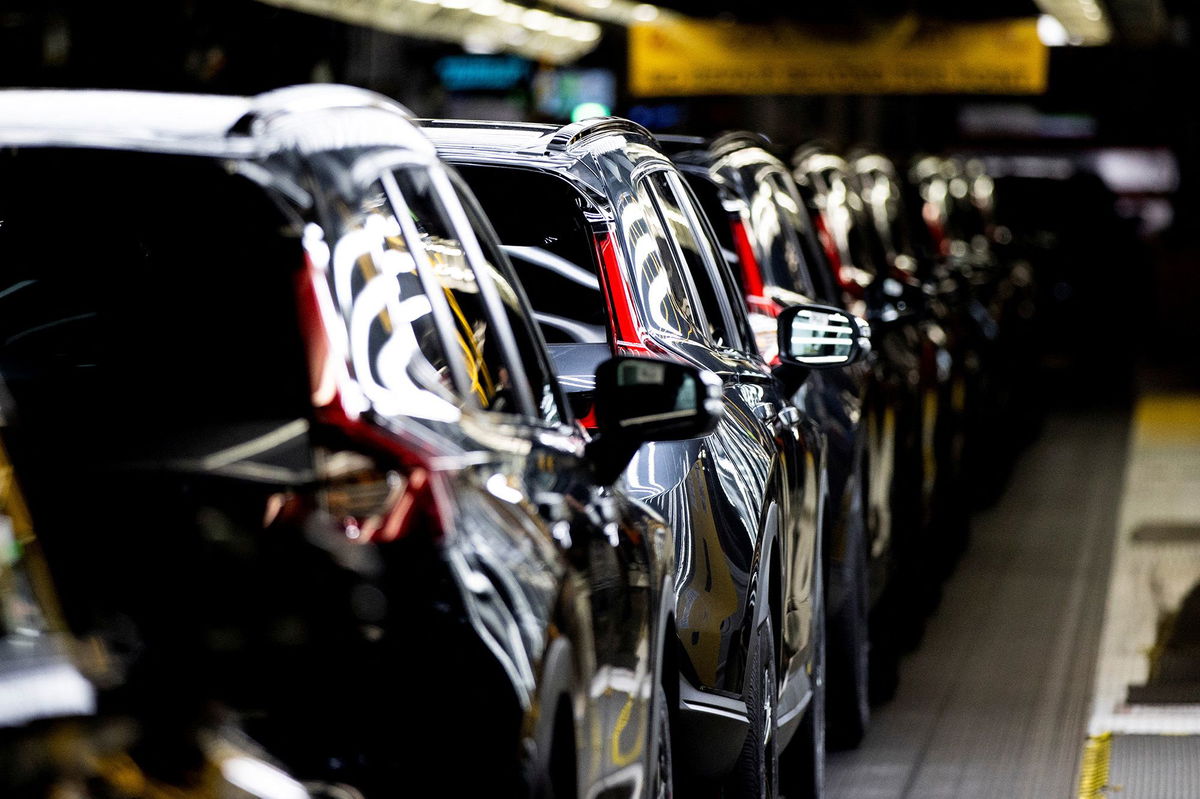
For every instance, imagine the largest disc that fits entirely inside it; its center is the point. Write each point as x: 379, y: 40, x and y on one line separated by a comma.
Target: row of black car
x: 595, y: 465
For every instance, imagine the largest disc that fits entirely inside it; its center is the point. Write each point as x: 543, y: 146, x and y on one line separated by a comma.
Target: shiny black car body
x: 770, y: 237
x: 616, y: 257
x: 290, y: 478
x: 904, y: 242
x: 913, y: 368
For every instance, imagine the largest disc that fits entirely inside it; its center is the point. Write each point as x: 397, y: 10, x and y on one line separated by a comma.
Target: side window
x: 414, y: 315
x: 530, y: 347
x: 709, y: 196
x: 479, y: 338
x: 793, y: 222
x: 687, y: 248
x: 395, y: 346
x: 662, y: 285
x: 723, y: 276
x: 699, y: 253
x: 549, y: 243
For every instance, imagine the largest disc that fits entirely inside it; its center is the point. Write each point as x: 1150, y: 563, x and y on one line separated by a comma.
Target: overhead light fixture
x: 586, y: 32
x: 616, y: 12
x: 537, y: 20
x: 644, y: 12
x: 478, y: 25
x: 1051, y: 32
x: 1085, y: 21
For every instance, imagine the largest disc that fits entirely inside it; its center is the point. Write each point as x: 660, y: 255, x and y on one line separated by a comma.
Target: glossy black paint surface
x: 753, y: 187
x: 746, y: 501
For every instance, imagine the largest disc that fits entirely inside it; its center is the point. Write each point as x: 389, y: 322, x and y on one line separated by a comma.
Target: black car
x: 773, y: 244
x: 903, y: 241
x: 616, y: 256
x: 995, y: 294
x: 913, y: 371
x: 291, y: 500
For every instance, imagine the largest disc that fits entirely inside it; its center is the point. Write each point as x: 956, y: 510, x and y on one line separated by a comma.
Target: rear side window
x: 699, y: 255
x: 709, y: 197
x: 787, y: 258
x: 540, y: 221
x: 664, y: 292
x: 414, y: 312
x: 496, y: 269
x: 476, y: 335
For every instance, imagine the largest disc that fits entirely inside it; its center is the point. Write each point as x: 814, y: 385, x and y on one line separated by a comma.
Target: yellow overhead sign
x: 680, y: 57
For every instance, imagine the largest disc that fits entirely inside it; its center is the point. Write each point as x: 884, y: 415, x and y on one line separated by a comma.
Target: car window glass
x: 395, y: 346
x: 843, y: 214
x: 477, y: 337
x: 120, y: 339
x: 690, y: 249
x: 821, y: 270
x: 549, y: 242
x: 663, y: 290
x: 709, y: 196
x: 530, y: 348
x: 721, y: 275
x: 788, y: 254
x: 389, y: 315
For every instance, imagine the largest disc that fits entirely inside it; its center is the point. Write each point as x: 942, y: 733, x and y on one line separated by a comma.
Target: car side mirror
x: 642, y: 399
x: 818, y: 337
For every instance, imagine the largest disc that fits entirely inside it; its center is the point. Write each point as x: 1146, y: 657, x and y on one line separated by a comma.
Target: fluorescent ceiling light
x: 1051, y: 32
x: 1085, y: 21
x: 644, y: 12
x: 617, y: 12
x: 478, y: 25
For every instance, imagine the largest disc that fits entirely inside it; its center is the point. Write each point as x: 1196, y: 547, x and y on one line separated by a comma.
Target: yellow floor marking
x: 1093, y: 770
x: 1168, y: 418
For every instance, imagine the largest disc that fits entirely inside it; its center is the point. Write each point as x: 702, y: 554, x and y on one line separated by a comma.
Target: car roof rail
x: 737, y: 139
x: 816, y: 148
x: 313, y: 97
x: 576, y: 133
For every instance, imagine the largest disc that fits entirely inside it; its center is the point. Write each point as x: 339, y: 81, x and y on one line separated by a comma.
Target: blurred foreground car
x: 617, y: 258
x: 769, y: 237
x: 290, y: 494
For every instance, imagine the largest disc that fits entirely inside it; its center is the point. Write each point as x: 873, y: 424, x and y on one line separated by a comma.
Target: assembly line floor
x: 996, y: 701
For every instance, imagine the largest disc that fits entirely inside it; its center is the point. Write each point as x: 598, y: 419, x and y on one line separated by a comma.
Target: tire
x: 848, y: 672
x: 802, y: 766
x: 755, y: 775
x: 662, y: 783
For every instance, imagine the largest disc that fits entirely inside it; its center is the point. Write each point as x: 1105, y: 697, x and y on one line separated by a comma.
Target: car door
x: 794, y: 442
x: 620, y: 551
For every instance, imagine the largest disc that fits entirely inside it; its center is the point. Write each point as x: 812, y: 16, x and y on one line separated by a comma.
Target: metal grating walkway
x: 995, y: 702
x: 1154, y: 767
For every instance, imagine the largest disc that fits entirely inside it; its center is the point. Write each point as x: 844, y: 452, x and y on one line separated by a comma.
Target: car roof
x: 306, y: 118
x: 562, y: 143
